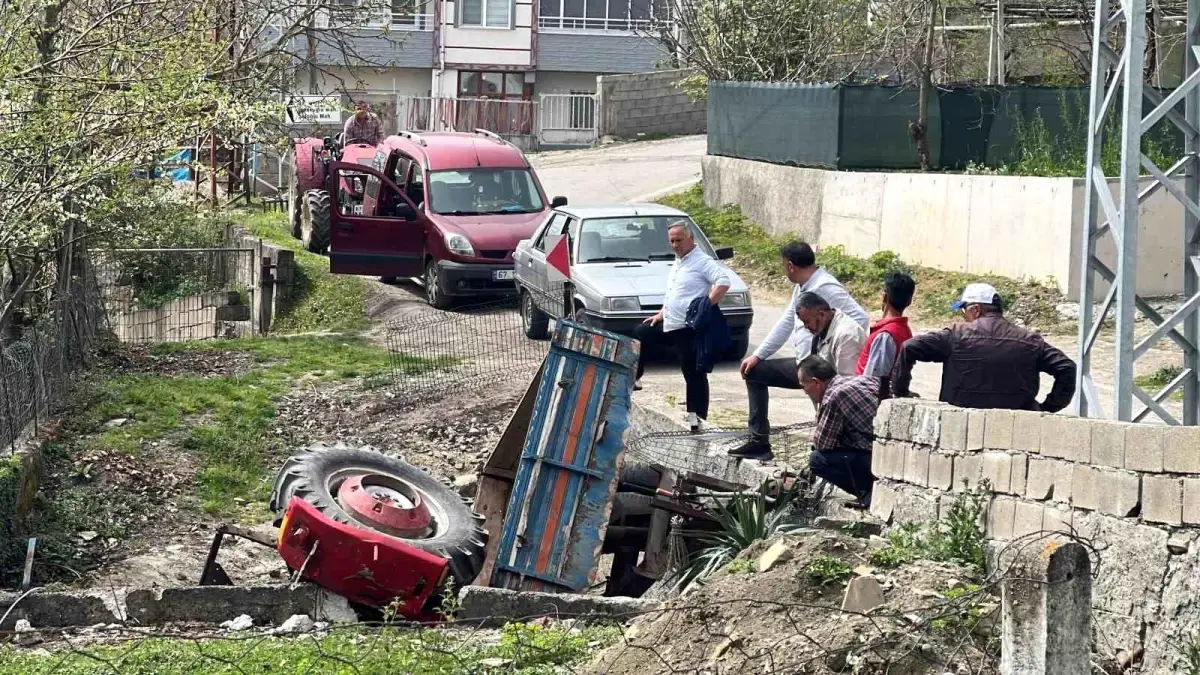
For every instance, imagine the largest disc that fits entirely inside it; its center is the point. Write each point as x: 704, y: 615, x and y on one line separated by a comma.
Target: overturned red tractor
x: 309, y: 191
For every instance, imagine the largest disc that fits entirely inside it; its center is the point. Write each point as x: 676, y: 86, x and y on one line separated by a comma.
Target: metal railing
x: 396, y: 19
x: 572, y: 23
x: 507, y: 117
x: 570, y: 112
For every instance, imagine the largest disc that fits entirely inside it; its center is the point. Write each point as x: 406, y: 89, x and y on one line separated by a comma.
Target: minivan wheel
x: 435, y: 295
x: 535, y: 320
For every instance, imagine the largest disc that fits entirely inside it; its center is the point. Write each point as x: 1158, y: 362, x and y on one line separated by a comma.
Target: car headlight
x: 623, y: 304
x: 739, y: 299
x: 459, y: 244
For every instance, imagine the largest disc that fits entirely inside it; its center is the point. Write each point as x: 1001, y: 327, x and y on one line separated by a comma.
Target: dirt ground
x: 786, y: 621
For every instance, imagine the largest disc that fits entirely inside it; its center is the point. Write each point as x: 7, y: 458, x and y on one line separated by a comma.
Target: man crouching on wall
x: 846, y: 407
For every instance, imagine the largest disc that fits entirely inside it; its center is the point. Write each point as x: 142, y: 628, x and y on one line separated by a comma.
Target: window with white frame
x: 485, y: 13
x: 602, y: 15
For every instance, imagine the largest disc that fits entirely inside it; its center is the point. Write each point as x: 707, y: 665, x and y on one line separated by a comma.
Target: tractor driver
x: 363, y: 125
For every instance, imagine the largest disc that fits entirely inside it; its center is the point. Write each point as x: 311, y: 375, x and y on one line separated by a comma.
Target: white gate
x: 567, y: 119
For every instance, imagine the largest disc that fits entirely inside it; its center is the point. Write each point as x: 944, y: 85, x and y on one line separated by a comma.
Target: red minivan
x: 444, y: 208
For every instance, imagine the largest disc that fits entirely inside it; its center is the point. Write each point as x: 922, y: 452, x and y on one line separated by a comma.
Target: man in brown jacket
x: 988, y: 361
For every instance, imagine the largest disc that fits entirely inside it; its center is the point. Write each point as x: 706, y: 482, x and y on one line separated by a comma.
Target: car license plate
x: 502, y: 275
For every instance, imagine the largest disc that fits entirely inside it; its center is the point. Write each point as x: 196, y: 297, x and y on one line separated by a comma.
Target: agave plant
x: 746, y: 518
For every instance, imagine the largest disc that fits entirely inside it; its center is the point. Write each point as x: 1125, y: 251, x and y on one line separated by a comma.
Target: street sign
x: 314, y: 110
x: 558, y: 260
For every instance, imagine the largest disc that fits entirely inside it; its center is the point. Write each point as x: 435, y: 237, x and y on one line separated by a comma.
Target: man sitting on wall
x: 846, y: 407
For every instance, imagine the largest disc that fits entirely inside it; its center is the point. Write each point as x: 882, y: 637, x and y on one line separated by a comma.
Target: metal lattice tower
x: 1117, y: 91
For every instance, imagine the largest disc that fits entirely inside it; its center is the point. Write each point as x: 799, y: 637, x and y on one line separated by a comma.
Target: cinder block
x: 954, y: 429
x: 967, y: 470
x: 1067, y: 438
x: 1027, y: 431
x: 1020, y: 464
x: 900, y: 419
x: 976, y: 420
x: 1064, y: 476
x: 881, y: 460
x: 1039, y: 484
x: 1108, y: 443
x: 1191, y: 501
x: 1027, y: 518
x: 1162, y: 499
x: 998, y: 429
x: 1181, y: 449
x: 882, y: 415
x: 1057, y: 519
x: 1085, y: 486
x: 926, y: 424
x: 997, y: 470
x: 1144, y: 448
x: 916, y: 466
x: 941, y: 471
x: 883, y: 501
x: 1001, y: 517
x: 1120, y: 491
x: 896, y: 454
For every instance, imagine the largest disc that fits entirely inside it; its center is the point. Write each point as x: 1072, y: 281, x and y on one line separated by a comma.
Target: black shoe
x: 753, y: 450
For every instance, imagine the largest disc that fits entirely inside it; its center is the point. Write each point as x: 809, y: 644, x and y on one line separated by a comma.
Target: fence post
x: 1046, y: 612
x: 266, y: 294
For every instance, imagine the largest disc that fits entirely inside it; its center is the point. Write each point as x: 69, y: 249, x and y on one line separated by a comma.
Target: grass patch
x: 525, y: 649
x: 321, y: 301
x: 223, y: 420
x: 957, y: 538
x: 826, y: 570
x: 1154, y: 382
x: 758, y: 260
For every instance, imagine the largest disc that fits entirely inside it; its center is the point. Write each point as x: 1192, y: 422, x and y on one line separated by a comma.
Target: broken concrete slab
x: 498, y: 606
x: 863, y: 594
x: 777, y: 553
x: 267, y: 605
x: 55, y: 610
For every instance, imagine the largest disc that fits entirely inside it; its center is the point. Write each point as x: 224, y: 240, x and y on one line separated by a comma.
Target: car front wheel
x: 435, y: 295
x: 536, y: 321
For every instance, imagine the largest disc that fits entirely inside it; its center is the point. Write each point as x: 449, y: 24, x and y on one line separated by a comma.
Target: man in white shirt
x: 761, y: 371
x: 836, y: 337
x: 693, y: 275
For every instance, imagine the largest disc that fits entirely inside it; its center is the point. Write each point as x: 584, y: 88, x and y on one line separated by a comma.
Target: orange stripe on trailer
x: 549, y: 536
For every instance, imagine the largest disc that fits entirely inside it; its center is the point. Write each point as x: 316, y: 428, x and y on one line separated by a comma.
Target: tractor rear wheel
x: 315, y: 231
x: 328, y: 477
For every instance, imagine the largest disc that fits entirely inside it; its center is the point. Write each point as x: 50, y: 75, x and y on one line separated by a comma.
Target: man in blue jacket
x: 694, y: 275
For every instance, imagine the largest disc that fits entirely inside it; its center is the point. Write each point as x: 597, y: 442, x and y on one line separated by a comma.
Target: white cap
x: 978, y: 294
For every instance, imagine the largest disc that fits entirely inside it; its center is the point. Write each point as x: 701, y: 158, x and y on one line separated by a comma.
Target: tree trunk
x: 920, y: 130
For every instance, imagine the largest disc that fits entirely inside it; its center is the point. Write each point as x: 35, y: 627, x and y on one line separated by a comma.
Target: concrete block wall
x: 1131, y: 489
x: 647, y: 103
x: 278, y: 298
x: 956, y: 222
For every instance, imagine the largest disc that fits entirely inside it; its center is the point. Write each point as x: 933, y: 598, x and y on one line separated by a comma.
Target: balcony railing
x: 393, y: 20
x: 568, y: 23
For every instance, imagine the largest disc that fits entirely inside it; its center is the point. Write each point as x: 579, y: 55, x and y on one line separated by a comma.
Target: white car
x: 620, y: 259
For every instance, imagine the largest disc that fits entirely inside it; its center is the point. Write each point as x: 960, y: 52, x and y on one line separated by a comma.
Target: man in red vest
x: 889, y: 333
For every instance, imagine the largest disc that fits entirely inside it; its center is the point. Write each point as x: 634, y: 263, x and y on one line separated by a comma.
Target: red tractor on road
x: 309, y: 191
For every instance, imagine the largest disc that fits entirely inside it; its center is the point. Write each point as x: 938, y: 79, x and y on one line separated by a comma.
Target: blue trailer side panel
x: 561, y: 500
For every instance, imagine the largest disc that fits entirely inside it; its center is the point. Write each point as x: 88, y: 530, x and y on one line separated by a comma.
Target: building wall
x: 1015, y: 226
x: 597, y: 53
x: 648, y: 103
x: 413, y: 49
x: 1132, y: 490
x: 475, y: 46
x: 551, y: 82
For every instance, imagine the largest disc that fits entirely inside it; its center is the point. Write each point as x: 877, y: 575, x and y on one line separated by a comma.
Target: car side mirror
x: 406, y: 211
x: 557, y: 202
x: 725, y: 253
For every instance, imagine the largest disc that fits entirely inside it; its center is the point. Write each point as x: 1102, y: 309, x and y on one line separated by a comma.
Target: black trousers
x: 684, y: 342
x: 771, y: 373
x: 850, y: 470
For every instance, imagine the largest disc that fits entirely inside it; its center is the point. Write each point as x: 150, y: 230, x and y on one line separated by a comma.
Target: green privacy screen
x: 867, y: 127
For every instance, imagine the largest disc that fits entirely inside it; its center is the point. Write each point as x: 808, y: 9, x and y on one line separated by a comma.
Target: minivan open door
x: 387, y: 239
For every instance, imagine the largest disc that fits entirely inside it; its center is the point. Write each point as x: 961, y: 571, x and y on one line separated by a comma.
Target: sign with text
x: 314, y: 110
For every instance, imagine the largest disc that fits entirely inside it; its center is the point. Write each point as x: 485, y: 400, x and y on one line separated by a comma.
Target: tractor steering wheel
x: 352, y: 141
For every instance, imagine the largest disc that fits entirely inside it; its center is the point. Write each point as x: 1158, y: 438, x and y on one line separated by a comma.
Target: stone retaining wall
x: 1133, y: 489
x: 648, y: 103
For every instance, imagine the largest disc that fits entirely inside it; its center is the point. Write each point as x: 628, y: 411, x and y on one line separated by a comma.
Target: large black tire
x: 315, y: 473
x: 536, y: 322
x: 315, y: 232
x: 435, y: 291
x: 738, y: 348
x: 295, y: 208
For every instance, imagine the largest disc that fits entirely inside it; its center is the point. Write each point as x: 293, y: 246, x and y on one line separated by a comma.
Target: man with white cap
x: 988, y: 361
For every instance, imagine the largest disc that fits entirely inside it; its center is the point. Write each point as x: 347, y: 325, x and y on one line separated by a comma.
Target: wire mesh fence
x: 470, y: 348
x: 174, y: 295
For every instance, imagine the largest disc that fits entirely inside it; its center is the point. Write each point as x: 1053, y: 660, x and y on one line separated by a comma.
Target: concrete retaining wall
x: 1015, y: 226
x: 276, y: 294
x: 647, y: 103
x: 1133, y: 489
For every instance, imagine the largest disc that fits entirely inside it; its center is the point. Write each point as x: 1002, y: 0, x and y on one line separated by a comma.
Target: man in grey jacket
x: 761, y: 371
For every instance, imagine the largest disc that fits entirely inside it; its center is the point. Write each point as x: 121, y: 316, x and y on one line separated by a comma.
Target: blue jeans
x: 849, y: 470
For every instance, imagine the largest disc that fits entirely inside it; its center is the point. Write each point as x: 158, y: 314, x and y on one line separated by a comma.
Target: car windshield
x: 473, y: 192
x: 632, y: 238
